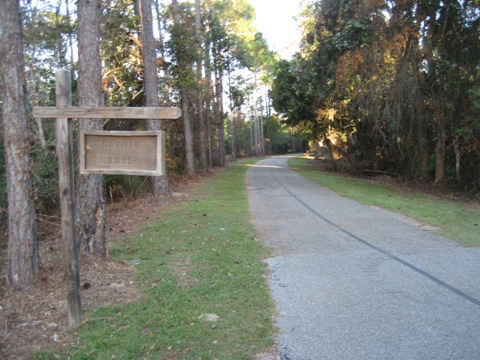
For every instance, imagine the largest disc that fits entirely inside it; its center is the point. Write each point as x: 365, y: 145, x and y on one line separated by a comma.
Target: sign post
x: 102, y: 152
x: 67, y: 199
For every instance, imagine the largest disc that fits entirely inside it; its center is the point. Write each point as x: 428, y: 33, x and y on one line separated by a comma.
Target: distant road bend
x: 356, y: 282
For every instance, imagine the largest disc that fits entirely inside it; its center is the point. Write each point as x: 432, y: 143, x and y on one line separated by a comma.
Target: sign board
x: 103, y: 152
x: 122, y: 152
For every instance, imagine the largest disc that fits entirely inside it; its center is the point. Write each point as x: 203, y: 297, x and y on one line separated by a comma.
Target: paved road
x: 355, y: 282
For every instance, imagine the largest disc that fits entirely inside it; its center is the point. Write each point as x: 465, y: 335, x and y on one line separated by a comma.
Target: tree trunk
x: 458, y: 161
x: 70, y: 33
x: 35, y: 85
x: 233, y: 139
x: 256, y: 131
x: 423, y: 150
x: 166, y: 82
x: 91, y: 201
x: 262, y: 136
x: 187, y: 130
x: 60, y: 53
x: 220, y: 121
x: 252, y: 131
x: 208, y: 102
x: 437, y: 105
x: 187, y: 121
x: 201, y: 106
x: 255, y: 116
x: 439, y: 121
x: 22, y: 244
x: 159, y: 183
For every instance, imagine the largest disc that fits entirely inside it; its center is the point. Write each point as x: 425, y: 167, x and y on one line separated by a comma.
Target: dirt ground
x: 36, y: 318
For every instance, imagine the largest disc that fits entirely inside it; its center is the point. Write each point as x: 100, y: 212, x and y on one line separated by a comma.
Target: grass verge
x: 202, y: 257
x: 456, y: 220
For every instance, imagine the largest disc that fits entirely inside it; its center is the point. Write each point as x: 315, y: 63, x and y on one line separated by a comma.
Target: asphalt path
x: 355, y: 282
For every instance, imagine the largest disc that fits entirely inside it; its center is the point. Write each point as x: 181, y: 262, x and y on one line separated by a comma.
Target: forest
x: 376, y: 87
x: 389, y: 87
x: 204, y: 57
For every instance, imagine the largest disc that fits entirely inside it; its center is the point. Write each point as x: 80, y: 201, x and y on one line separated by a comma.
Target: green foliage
x: 124, y: 186
x: 46, y: 180
x: 47, y: 32
x: 468, y: 135
x: 123, y: 72
x: 277, y: 136
x: 291, y: 94
x: 183, y: 50
x: 258, y: 55
x: 230, y: 30
x: 388, y: 87
x: 244, y: 146
x: 229, y: 40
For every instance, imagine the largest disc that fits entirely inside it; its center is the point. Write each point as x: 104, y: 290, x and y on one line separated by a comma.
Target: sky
x: 275, y: 19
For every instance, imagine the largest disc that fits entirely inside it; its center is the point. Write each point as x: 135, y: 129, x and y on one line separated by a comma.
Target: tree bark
x: 91, y: 201
x: 439, y: 121
x: 159, y: 183
x: 233, y: 136
x: 166, y: 82
x: 256, y: 135
x: 423, y: 150
x: 187, y: 128
x: 187, y: 121
x: 22, y: 243
x: 233, y: 113
x: 208, y: 102
x: 200, y: 97
x: 458, y: 160
x: 220, y: 121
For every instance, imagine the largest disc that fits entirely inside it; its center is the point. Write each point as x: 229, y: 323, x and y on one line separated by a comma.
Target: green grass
x: 202, y: 257
x: 456, y: 220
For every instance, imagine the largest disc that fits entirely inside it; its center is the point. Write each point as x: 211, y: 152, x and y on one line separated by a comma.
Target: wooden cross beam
x: 159, y: 113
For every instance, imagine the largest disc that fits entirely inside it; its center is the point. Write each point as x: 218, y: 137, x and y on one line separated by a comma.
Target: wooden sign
x: 103, y: 152
x: 122, y: 152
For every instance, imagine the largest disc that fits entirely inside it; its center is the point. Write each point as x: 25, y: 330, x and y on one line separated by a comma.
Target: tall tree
x: 200, y: 93
x: 22, y: 244
x: 91, y: 201
x: 121, y: 55
x: 259, y: 58
x: 233, y: 114
x: 161, y: 47
x: 220, y: 44
x: 208, y: 98
x: 160, y: 183
x: 184, y: 80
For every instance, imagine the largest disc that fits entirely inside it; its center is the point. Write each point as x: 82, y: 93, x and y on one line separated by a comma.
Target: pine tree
x: 22, y: 244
